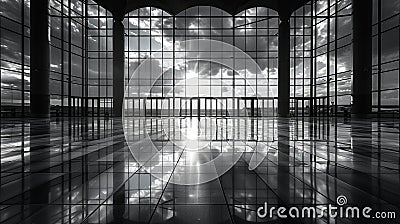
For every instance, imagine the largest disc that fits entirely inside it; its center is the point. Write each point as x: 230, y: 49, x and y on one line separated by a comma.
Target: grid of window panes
x: 67, y: 57
x: 300, y: 60
x: 385, y: 59
x: 254, y: 31
x: 148, y: 30
x: 99, y: 60
x: 14, y: 59
x: 332, y: 55
x: 81, y: 58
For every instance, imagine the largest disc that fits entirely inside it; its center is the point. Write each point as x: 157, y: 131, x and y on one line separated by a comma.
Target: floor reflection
x: 80, y: 170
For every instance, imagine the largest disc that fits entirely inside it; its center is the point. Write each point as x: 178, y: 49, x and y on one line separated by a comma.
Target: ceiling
x: 121, y: 7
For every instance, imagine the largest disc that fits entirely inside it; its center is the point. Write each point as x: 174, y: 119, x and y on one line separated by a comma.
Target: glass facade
x: 333, y: 53
x: 385, y: 59
x: 67, y: 50
x: 321, y: 58
x: 301, y: 58
x: 99, y: 60
x: 14, y: 42
x: 203, y: 84
x: 80, y: 58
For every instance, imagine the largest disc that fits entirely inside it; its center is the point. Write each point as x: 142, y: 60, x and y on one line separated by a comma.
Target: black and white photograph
x: 200, y: 111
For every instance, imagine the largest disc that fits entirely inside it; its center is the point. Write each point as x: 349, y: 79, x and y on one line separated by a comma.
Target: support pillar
x: 362, y: 58
x: 284, y: 68
x: 118, y: 66
x: 40, y: 59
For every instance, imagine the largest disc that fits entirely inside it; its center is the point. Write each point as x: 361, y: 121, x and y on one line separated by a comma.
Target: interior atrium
x: 199, y: 111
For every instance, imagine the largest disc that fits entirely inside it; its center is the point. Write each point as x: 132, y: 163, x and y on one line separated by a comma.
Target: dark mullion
x: 336, y: 59
x: 85, y: 94
x: 245, y: 64
x: 140, y: 61
x: 173, y: 66
x: 312, y: 60
x: 234, y: 102
x: 128, y: 49
x: 162, y: 61
x: 294, y: 36
x: 304, y: 62
x: 22, y: 59
x: 98, y: 58
x: 198, y: 67
x: 151, y: 88
x: 256, y: 93
x: 379, y: 57
x: 127, y: 78
x: 62, y: 60
x: 105, y: 79
x: 69, y: 60
x: 328, y: 67
x: 83, y: 59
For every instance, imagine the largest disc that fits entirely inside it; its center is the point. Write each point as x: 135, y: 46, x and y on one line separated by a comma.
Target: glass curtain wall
x: 331, y: 69
x: 99, y: 60
x: 321, y: 52
x: 385, y: 59
x: 203, y: 86
x: 14, y: 59
x: 81, y: 55
x: 80, y: 58
x: 67, y: 57
x: 332, y: 56
x: 325, y: 27
x: 301, y: 57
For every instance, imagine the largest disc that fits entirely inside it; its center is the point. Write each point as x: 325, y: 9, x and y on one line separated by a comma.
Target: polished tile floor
x: 82, y: 170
